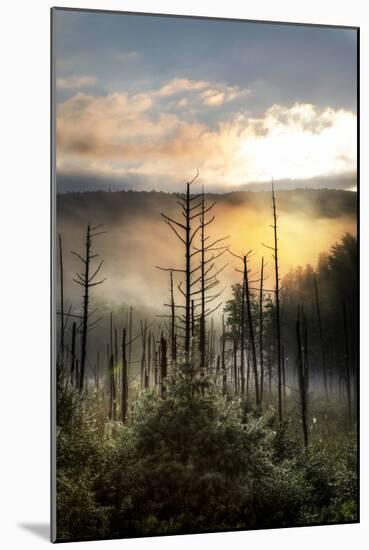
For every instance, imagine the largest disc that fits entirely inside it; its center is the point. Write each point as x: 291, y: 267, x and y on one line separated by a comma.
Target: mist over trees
x: 231, y: 407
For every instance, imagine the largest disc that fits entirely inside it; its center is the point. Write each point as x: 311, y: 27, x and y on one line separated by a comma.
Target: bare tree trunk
x: 130, y: 341
x: 302, y: 382
x: 278, y: 323
x: 284, y: 380
x: 86, y: 279
x: 143, y: 356
x: 163, y: 369
x: 251, y: 332
x: 172, y: 322
x: 188, y: 274
x: 85, y: 309
x: 270, y: 375
x: 243, y: 299
x: 124, y: 404
x: 192, y: 319
x: 261, y: 333
x: 112, y: 400
x: 61, y: 300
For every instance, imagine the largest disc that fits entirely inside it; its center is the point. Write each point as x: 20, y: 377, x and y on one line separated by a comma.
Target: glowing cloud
x: 124, y: 134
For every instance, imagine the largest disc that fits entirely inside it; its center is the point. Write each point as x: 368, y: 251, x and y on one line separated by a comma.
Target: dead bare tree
x: 243, y: 300
x: 130, y: 339
x: 277, y: 302
x: 163, y: 366
x: 199, y: 277
x: 143, y: 356
x: 302, y: 380
x: 172, y: 323
x: 124, y: 384
x: 261, y: 332
x: 87, y: 279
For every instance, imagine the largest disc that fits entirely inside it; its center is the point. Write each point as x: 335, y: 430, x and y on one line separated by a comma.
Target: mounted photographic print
x: 205, y: 275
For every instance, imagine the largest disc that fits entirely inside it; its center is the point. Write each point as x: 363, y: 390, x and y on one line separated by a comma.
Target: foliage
x: 193, y: 462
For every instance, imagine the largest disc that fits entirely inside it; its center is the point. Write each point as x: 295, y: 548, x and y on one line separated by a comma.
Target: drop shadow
x: 42, y: 530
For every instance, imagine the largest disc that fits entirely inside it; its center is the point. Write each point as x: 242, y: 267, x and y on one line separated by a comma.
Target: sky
x: 142, y: 102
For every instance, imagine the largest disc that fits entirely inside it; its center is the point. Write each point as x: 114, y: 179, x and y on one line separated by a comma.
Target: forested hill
x: 137, y: 239
x: 325, y: 203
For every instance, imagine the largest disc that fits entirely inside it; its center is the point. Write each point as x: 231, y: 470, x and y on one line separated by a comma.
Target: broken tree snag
x: 301, y: 373
x: 274, y: 249
x: 124, y: 389
x: 322, y: 345
x: 163, y: 366
x: 87, y: 279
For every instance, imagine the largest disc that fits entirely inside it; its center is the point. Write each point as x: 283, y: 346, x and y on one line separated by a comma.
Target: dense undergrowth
x: 197, y: 462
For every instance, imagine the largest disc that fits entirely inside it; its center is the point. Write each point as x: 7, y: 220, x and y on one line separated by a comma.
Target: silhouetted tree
x: 87, y: 279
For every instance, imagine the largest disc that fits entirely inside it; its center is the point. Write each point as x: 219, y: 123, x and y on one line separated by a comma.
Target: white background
x: 24, y: 273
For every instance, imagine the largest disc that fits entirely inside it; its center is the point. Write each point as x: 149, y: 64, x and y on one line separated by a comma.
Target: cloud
x: 75, y: 82
x: 124, y: 134
x: 218, y: 96
x: 208, y: 93
x: 179, y: 85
